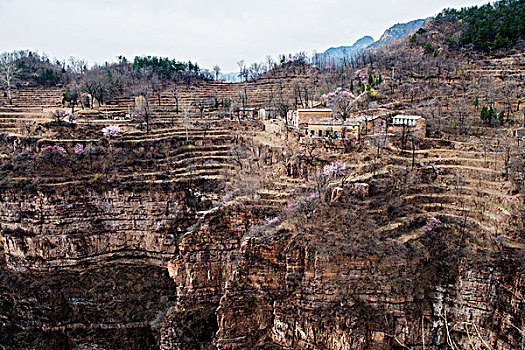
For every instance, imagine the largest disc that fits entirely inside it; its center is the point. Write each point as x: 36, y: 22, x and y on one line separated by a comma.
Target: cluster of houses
x: 320, y: 123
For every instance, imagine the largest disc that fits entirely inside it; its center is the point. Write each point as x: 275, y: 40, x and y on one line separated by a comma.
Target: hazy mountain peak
x: 395, y: 32
x: 341, y: 52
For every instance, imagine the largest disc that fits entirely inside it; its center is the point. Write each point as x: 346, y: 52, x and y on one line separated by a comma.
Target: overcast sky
x: 208, y: 32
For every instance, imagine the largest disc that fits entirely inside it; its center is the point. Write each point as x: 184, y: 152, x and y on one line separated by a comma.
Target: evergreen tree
x: 492, y: 115
x: 484, y: 114
x: 501, y: 117
x: 492, y: 26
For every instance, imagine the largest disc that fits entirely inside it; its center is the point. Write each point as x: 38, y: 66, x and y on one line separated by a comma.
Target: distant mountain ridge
x: 396, y: 32
x: 338, y: 53
x: 399, y: 31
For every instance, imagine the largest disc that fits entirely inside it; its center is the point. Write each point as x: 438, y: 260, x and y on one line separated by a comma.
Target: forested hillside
x: 491, y: 26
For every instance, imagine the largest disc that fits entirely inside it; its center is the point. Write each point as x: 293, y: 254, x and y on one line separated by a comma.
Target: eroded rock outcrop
x: 161, y: 249
x: 65, y: 227
x: 296, y: 296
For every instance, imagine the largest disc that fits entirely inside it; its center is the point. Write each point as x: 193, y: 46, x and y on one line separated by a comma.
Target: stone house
x: 375, y: 125
x: 301, y: 117
x: 248, y: 113
x: 333, y: 129
x: 267, y: 113
x: 410, y: 123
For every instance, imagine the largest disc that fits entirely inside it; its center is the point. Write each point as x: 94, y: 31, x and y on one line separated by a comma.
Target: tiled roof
x: 408, y: 117
x: 314, y: 110
x: 330, y: 121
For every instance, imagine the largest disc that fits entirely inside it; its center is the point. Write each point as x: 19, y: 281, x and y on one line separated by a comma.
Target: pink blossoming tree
x: 340, y: 100
x: 335, y: 170
x: 79, y: 148
x: 111, y: 130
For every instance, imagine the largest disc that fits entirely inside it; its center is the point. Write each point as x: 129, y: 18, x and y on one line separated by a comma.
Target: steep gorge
x: 195, y: 236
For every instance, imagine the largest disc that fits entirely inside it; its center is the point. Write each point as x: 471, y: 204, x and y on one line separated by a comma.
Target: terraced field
x: 468, y: 189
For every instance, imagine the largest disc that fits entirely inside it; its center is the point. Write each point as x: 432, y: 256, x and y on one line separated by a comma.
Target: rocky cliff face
x: 293, y: 296
x: 339, y: 275
x: 118, y: 254
x: 67, y: 228
x: 115, y: 261
x: 398, y: 31
x: 160, y: 265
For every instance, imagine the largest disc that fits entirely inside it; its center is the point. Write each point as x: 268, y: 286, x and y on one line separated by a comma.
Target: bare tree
x: 235, y: 108
x: 186, y: 123
x: 507, y: 90
x: 76, y: 66
x: 255, y: 69
x: 156, y: 85
x: 71, y: 96
x: 217, y: 71
x: 97, y: 83
x: 203, y: 103
x: 243, y: 97
x: 142, y: 110
x: 175, y: 91
x: 8, y: 71
x: 242, y: 68
x: 282, y: 103
x: 269, y: 62
x: 298, y: 96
